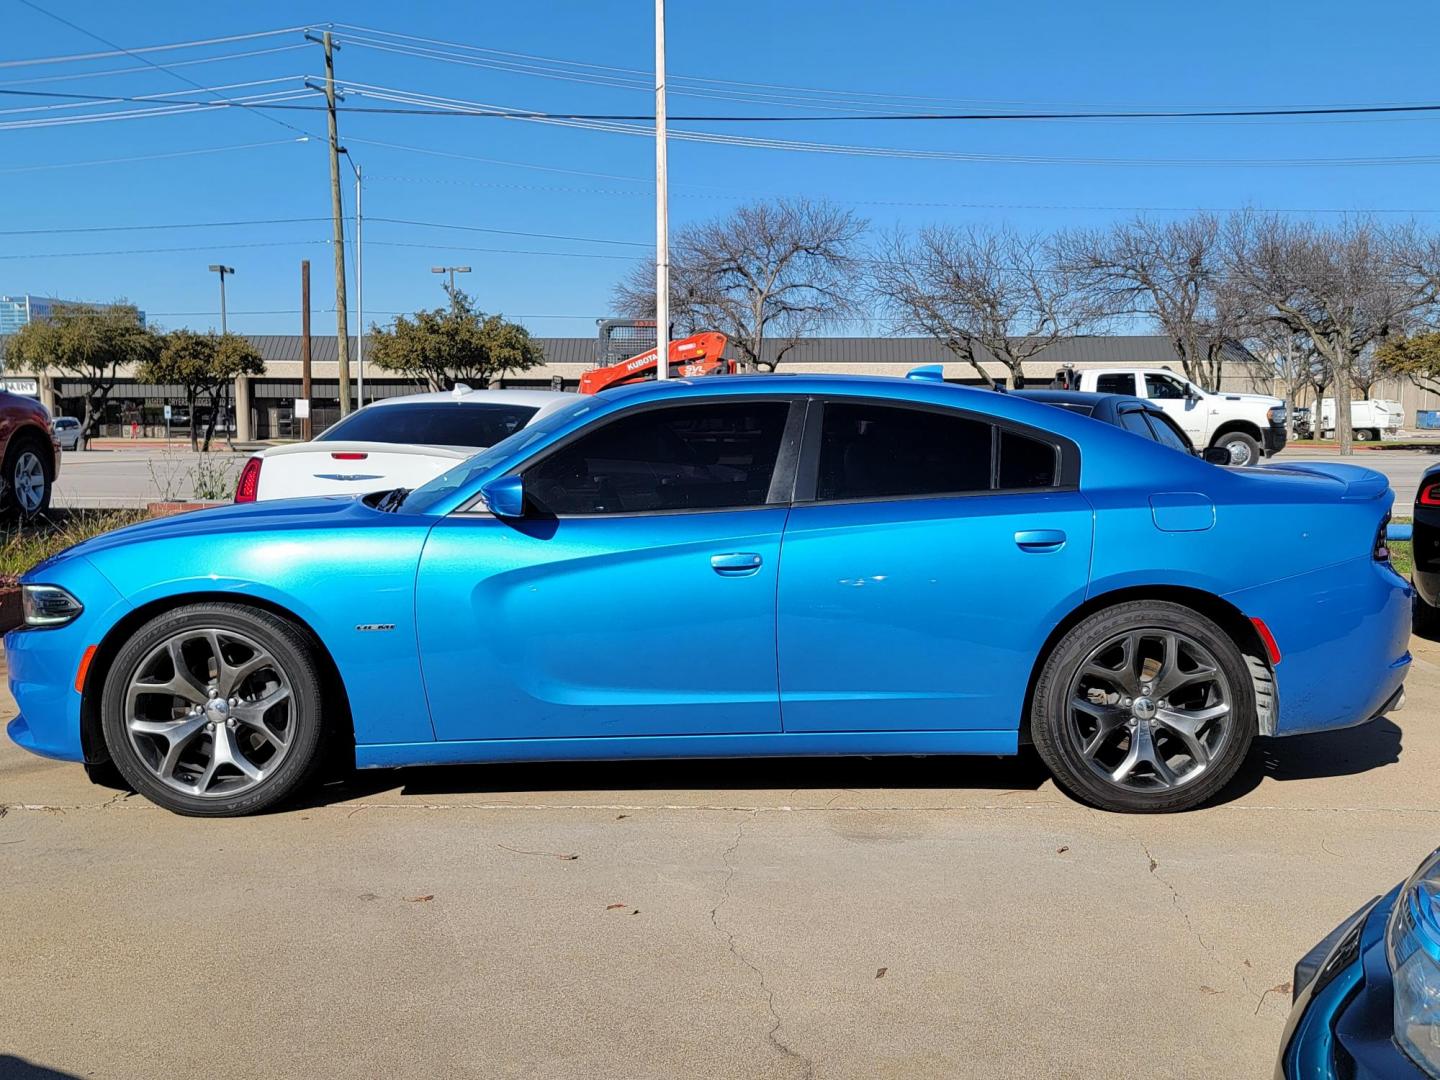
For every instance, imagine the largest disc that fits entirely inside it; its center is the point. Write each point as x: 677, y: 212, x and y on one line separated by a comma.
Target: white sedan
x: 393, y: 443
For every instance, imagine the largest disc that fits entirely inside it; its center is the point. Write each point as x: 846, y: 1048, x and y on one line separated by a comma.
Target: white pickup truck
x: 1247, y: 426
x: 1370, y: 420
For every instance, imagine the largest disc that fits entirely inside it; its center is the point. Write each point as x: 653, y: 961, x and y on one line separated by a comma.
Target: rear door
x: 929, y: 554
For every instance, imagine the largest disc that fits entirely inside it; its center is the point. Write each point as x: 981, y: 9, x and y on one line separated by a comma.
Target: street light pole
x: 222, y: 271
x: 662, y: 207
x: 359, y: 291
x: 452, y: 271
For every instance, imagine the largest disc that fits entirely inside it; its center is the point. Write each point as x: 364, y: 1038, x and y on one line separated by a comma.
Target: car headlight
x: 1276, y: 415
x: 1412, y: 944
x: 48, y: 605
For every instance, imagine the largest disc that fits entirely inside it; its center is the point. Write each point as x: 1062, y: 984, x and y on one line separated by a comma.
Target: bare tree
x: 981, y: 293
x: 1341, y: 286
x: 1173, y: 272
x: 770, y: 271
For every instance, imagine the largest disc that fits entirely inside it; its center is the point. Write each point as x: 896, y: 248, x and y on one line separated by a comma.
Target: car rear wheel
x: 1364, y: 435
x: 25, y: 478
x: 214, y: 710
x: 1242, y: 448
x: 1425, y: 619
x: 1145, y: 707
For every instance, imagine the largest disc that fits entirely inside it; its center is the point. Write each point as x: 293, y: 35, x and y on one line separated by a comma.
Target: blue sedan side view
x: 829, y: 565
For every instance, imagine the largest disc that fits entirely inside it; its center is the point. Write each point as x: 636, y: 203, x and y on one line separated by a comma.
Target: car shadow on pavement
x: 1316, y: 756
x: 1021, y: 773
x: 14, y: 1068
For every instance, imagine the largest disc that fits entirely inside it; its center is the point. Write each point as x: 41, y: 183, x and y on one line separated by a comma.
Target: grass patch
x: 22, y: 546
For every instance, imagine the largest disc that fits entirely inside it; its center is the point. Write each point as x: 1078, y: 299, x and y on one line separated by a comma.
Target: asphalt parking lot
x: 831, y: 918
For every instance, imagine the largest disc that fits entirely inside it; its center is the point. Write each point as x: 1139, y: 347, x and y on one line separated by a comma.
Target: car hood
x: 326, y: 512
x: 1253, y: 399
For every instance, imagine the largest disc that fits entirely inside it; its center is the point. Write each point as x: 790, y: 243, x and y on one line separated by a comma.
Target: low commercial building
x: 264, y: 407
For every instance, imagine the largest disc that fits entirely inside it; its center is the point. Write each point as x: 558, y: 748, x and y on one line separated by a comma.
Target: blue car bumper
x: 1343, y: 1020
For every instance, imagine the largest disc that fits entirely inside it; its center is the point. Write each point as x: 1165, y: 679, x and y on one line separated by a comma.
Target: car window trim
x: 1067, y: 469
x: 782, y: 481
x: 1155, y: 415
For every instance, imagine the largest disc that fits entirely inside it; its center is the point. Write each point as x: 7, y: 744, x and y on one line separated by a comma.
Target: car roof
x: 537, y: 398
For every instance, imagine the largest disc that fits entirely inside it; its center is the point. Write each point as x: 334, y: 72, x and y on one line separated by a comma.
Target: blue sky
x: 565, y: 182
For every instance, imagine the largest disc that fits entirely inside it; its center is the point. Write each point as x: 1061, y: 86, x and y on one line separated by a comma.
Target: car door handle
x: 1039, y: 540
x: 736, y: 563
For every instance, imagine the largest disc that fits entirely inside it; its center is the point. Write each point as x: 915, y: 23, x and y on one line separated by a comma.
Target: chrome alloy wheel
x: 1149, y: 710
x: 1240, y: 454
x: 210, y: 712
x: 28, y: 481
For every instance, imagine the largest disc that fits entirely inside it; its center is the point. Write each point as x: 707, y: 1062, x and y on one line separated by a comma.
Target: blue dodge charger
x: 770, y: 565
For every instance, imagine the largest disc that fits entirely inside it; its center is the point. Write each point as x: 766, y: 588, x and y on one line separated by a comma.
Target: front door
x: 1172, y: 395
x: 919, y: 584
x: 635, y: 597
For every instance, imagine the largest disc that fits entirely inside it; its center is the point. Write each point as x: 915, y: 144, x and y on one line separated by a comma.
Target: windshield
x: 432, y: 423
x: 447, y: 483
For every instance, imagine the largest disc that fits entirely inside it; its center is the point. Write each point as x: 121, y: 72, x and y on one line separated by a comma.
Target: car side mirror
x: 1216, y: 455
x: 1191, y: 397
x: 505, y: 497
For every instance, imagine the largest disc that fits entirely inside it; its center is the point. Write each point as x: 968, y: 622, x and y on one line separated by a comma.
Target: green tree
x: 88, y: 342
x: 1416, y: 357
x: 205, y: 365
x: 454, y: 345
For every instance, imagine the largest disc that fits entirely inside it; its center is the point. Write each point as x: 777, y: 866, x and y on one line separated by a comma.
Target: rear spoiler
x: 1361, y: 484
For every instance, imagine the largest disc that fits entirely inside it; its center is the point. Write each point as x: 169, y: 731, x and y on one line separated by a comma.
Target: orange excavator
x: 699, y: 354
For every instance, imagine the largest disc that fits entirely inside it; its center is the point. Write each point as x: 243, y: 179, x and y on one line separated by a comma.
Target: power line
x: 499, y: 112
x: 165, y: 225
x: 158, y: 251
x: 118, y: 51
x: 154, y: 157
x: 497, y: 251
x: 76, y: 75
x: 507, y: 232
x: 158, y: 67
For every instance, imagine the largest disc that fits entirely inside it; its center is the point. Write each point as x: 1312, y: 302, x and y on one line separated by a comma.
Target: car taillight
x: 249, y: 485
x: 1381, y: 552
x: 349, y: 456
x: 1430, y: 494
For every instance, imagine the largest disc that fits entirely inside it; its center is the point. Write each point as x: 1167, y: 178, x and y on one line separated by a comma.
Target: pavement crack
x: 773, y: 1035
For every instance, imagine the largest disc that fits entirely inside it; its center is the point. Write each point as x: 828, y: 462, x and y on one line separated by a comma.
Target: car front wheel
x: 26, y: 479
x: 214, y: 710
x: 1145, y: 707
x: 1243, y: 449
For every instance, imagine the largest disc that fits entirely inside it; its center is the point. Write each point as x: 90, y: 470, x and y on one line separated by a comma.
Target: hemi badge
x: 369, y: 626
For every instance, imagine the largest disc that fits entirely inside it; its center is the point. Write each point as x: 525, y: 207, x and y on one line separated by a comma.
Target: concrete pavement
x: 828, y: 919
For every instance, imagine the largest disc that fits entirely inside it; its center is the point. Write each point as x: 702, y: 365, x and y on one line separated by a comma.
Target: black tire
x: 1238, y: 444
x: 24, y: 453
x: 1425, y: 618
x: 293, y: 655
x: 1364, y: 435
x: 1058, y: 742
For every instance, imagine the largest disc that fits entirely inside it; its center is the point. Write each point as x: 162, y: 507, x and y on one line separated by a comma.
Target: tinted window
x: 1025, y: 462
x: 694, y: 457
x: 440, y: 423
x: 869, y: 451
x: 1163, y: 387
x: 1168, y: 433
x: 1133, y: 420
x: 1117, y: 383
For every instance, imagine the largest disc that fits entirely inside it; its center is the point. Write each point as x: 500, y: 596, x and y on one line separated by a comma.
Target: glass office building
x: 16, y: 311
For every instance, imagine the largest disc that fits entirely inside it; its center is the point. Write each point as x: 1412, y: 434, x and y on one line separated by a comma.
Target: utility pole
x: 305, y: 346
x: 662, y: 207
x: 342, y: 331
x: 359, y: 292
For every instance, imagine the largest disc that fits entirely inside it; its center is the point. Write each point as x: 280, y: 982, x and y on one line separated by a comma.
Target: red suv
x: 29, y: 456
